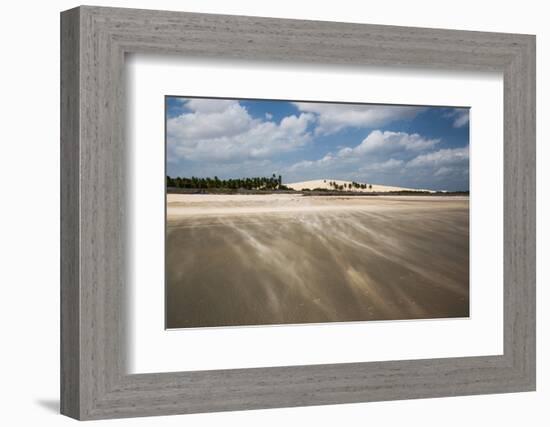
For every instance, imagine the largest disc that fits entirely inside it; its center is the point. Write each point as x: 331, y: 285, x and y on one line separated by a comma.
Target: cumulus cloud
x: 444, y: 171
x: 222, y: 130
x: 387, y: 166
x: 387, y: 141
x: 335, y: 117
x: 371, y: 155
x: 447, y: 156
x: 375, y: 144
x: 323, y: 162
x: 209, y: 119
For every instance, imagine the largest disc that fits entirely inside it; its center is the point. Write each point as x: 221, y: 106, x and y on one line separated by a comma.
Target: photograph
x: 293, y: 212
x: 313, y: 214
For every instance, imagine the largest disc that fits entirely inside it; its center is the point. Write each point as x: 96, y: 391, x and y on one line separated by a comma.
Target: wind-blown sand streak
x: 279, y: 259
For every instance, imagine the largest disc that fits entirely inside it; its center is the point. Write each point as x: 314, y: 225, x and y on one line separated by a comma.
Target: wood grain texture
x: 94, y: 231
x: 70, y: 291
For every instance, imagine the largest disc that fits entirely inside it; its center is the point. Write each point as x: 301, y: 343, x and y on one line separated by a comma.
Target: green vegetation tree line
x: 271, y: 183
x: 257, y: 183
x: 274, y: 183
x: 350, y: 186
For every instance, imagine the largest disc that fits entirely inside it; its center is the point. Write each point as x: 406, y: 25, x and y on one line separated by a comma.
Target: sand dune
x: 325, y: 183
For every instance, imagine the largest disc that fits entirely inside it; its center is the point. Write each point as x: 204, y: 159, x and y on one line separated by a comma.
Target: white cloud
x: 378, y: 141
x: 209, y: 119
x: 221, y: 130
x: 387, y: 166
x: 460, y: 116
x: 369, y: 151
x: 444, y: 171
x: 334, y: 117
x: 447, y: 156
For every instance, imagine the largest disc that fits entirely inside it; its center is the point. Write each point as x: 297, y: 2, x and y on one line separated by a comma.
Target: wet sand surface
x: 279, y: 259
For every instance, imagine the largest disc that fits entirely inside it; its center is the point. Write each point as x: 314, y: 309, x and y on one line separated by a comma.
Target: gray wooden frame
x: 94, y: 41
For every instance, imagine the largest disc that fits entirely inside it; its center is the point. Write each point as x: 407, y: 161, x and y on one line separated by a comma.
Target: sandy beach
x: 282, y: 259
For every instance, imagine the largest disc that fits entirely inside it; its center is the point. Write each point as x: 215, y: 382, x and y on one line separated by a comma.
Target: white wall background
x: 29, y: 212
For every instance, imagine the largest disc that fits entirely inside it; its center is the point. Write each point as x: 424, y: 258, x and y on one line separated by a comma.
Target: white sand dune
x: 325, y: 183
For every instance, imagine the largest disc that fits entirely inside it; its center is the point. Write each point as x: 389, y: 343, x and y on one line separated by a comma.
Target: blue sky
x: 408, y: 146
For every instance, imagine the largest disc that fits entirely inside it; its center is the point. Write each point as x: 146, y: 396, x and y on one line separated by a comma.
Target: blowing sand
x: 279, y: 259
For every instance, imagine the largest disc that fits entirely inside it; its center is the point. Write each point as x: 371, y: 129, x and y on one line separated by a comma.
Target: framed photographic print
x: 261, y: 213
x: 297, y: 245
